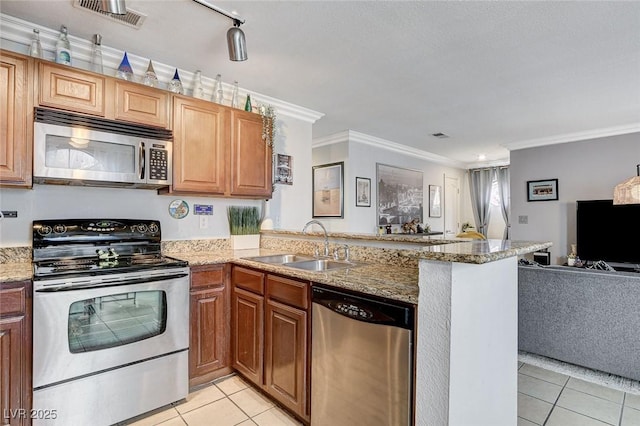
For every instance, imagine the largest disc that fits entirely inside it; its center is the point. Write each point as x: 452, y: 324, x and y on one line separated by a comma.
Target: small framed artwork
x: 284, y: 169
x: 328, y: 190
x: 435, y: 201
x: 363, y: 192
x: 542, y: 190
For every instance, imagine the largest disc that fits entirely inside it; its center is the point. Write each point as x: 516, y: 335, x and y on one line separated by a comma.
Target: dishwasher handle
x: 364, y: 309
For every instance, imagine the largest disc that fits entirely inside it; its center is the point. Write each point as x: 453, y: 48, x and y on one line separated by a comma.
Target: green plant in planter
x: 243, y: 220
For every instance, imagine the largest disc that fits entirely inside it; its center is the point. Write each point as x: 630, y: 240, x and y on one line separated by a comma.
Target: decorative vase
x: 217, y: 90
x: 198, y: 90
x: 267, y: 222
x: 175, y: 85
x: 242, y: 242
x: 150, y: 78
x: 125, y: 71
x: 247, y: 104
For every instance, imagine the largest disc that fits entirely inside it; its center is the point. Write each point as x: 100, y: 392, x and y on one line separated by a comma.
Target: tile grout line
x: 556, y: 401
x: 624, y: 398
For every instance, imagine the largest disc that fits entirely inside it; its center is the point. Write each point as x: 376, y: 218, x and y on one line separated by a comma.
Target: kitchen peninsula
x: 466, y: 298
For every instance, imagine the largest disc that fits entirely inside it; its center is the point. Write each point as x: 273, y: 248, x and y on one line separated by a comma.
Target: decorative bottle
x: 247, y: 104
x: 63, y: 47
x: 217, y: 90
x: 198, y: 90
x: 96, y: 54
x: 234, y: 96
x: 124, y: 70
x: 175, y: 85
x: 150, y: 78
x: 35, y: 49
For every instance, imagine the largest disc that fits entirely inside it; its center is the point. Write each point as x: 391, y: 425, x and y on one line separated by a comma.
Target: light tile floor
x: 545, y: 398
x: 553, y: 399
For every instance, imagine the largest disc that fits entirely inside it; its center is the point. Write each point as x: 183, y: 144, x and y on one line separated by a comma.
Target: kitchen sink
x: 279, y: 259
x: 319, y: 265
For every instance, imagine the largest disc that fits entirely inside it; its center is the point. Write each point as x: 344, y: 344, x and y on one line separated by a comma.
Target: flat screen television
x: 608, y: 232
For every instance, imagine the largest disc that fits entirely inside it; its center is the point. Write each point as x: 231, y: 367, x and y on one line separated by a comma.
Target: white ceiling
x: 491, y: 75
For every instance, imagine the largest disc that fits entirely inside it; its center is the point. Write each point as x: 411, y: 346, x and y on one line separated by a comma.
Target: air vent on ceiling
x: 440, y: 135
x: 132, y: 18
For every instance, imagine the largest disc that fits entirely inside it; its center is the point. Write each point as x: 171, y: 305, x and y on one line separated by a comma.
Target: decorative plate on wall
x: 178, y: 209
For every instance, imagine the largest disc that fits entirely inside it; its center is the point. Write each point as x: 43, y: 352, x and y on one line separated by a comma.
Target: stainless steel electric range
x: 110, y: 321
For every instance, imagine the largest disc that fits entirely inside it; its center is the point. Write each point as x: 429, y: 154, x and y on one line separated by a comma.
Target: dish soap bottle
x: 63, y: 48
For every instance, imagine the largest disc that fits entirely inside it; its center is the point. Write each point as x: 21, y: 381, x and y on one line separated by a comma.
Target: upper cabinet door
x: 141, y: 104
x: 251, y: 158
x: 71, y: 89
x: 200, y: 132
x: 16, y: 118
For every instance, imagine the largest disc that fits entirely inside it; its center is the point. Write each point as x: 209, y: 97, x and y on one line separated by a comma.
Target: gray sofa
x: 584, y: 317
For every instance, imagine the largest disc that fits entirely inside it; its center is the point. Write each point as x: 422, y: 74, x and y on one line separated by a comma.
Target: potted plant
x: 244, y: 227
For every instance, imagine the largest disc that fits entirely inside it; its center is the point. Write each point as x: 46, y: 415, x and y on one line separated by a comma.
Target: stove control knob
x: 59, y: 229
x: 45, y: 230
x: 142, y: 228
x: 153, y: 228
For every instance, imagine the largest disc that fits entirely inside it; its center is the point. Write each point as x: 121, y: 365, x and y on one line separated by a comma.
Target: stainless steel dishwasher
x: 361, y: 360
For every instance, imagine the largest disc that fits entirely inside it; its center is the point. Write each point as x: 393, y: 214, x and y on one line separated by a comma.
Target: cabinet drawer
x: 207, y: 276
x: 71, y: 89
x: 13, y: 301
x: 291, y: 292
x: 248, y: 279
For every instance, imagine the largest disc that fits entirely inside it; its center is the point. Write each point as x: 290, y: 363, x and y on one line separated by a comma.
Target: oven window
x: 116, y: 320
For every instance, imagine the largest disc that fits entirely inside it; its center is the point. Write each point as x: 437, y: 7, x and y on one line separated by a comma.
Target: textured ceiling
x: 490, y: 75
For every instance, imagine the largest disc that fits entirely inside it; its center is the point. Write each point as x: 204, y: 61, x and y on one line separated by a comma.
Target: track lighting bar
x: 237, y: 20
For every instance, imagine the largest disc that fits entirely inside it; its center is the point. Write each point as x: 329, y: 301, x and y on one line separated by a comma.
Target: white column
x: 467, y: 343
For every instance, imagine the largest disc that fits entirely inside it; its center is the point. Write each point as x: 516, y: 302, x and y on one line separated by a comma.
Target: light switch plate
x: 204, y: 221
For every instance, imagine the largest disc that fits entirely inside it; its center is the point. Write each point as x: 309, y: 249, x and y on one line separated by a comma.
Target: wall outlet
x: 204, y: 222
x: 523, y: 220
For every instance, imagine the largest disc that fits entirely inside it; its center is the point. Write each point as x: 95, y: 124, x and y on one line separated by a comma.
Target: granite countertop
x: 18, y: 271
x: 393, y: 282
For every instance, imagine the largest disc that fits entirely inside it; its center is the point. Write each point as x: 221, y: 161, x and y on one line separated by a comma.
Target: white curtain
x: 480, y: 182
x: 502, y: 174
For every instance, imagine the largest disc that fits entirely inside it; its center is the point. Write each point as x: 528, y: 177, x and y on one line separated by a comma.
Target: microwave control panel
x: 158, y: 164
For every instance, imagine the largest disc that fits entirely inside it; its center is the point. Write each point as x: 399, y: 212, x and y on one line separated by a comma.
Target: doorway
x: 451, y: 206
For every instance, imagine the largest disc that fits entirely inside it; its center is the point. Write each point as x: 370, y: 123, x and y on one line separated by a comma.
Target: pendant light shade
x: 116, y: 7
x: 236, y: 44
x: 628, y: 192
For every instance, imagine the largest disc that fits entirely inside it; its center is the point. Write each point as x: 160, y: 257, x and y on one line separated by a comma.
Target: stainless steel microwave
x: 77, y: 153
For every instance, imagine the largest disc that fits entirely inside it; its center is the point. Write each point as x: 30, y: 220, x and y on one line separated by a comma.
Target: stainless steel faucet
x: 326, y: 238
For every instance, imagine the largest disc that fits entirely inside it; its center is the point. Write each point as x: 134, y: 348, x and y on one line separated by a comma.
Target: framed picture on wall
x: 284, y: 169
x: 328, y: 190
x: 363, y: 192
x: 435, y: 201
x: 542, y: 190
x: 400, y: 195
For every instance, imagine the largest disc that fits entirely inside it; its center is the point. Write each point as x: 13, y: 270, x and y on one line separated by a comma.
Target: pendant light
x: 628, y: 192
x: 236, y: 42
x: 116, y: 7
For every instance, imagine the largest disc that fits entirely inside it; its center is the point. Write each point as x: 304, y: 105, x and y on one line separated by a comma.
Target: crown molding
x: 15, y: 35
x: 574, y: 137
x: 352, y: 136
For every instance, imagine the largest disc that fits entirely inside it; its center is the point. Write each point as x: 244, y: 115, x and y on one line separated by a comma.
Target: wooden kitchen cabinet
x: 200, y: 132
x: 71, y: 89
x: 16, y: 119
x: 209, y: 335
x: 141, y: 104
x: 270, y: 323
x: 15, y: 352
x: 251, y: 157
x: 247, y: 323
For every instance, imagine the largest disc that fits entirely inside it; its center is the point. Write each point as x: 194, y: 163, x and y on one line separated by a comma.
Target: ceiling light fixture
x: 117, y: 7
x: 236, y: 42
x: 628, y: 192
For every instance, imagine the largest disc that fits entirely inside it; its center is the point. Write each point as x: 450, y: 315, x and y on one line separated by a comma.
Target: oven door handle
x: 108, y: 283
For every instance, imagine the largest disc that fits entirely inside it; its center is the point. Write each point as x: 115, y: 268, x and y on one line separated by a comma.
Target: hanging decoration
x: 268, y: 124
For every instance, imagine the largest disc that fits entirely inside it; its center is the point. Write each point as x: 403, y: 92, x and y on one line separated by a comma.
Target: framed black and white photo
x: 284, y: 169
x: 400, y: 195
x: 542, y: 190
x: 435, y: 201
x: 328, y: 190
x: 363, y: 192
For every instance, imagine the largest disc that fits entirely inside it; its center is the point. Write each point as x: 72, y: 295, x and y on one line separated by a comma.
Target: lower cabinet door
x: 13, y: 405
x: 247, y: 325
x: 209, y: 336
x: 286, y: 355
